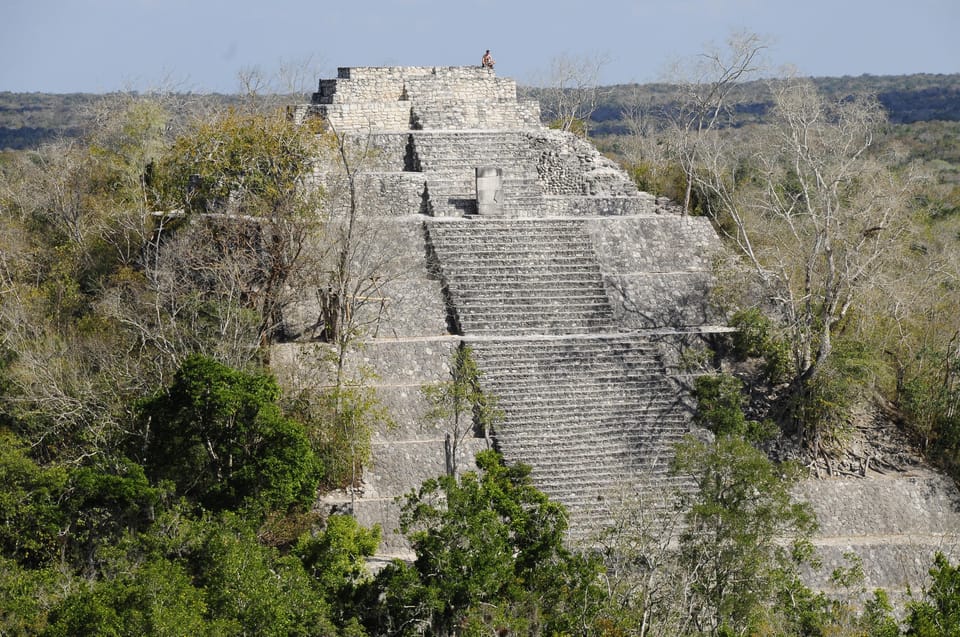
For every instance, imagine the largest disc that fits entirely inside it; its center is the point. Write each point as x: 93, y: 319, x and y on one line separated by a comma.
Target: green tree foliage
x: 460, y: 405
x: 340, y: 422
x: 720, y: 404
x: 755, y: 338
x: 251, y: 588
x: 931, y: 398
x: 336, y: 558
x: 220, y: 437
x: 158, y: 599
x: 199, y: 576
x: 937, y: 614
x: 103, y: 503
x: 30, y: 513
x: 250, y: 161
x: 490, y: 557
x: 27, y: 594
x: 743, y: 537
x: 52, y: 515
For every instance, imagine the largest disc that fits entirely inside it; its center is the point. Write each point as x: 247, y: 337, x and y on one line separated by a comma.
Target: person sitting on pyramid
x: 487, y: 60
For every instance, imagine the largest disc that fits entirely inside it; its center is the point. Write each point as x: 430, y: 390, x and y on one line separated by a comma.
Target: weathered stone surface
x: 556, y: 268
x: 894, y: 523
x: 578, y: 300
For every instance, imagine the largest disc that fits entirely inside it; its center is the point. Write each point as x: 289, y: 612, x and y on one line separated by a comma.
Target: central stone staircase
x: 593, y: 415
x: 521, y: 276
x: 591, y: 409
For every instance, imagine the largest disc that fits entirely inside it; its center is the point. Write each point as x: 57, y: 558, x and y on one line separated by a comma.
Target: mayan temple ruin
x: 576, y: 292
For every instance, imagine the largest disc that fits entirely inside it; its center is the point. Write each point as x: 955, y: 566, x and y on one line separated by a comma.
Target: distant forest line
x: 30, y: 119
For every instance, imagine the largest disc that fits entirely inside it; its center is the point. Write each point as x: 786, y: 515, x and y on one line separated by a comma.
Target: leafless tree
x: 358, y: 263
x: 706, y: 85
x: 572, y: 90
x: 812, y: 212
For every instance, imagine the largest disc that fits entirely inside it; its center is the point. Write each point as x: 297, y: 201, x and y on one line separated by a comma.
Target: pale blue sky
x: 202, y: 45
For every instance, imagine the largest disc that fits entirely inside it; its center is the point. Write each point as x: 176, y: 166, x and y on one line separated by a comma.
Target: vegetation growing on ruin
x: 154, y: 478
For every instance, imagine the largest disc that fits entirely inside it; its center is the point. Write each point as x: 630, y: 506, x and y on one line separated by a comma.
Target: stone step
x: 548, y: 362
x: 538, y: 312
x: 548, y: 297
x: 537, y: 353
x: 599, y: 470
x: 518, y: 423
x: 515, y: 423
x: 507, y: 253
x: 601, y: 446
x: 519, y: 261
x: 535, y: 310
x: 581, y: 414
x: 611, y: 404
x: 529, y: 292
x: 559, y: 381
x: 607, y: 344
x: 583, y: 484
x: 536, y: 316
x: 520, y: 266
x: 509, y: 242
x: 493, y: 289
x: 540, y: 328
x: 572, y: 386
x: 559, y: 437
x: 533, y: 362
x: 544, y: 325
x: 559, y: 330
x: 533, y: 318
x: 550, y: 277
x: 647, y: 452
x: 538, y: 358
x: 634, y: 481
x: 615, y: 421
x: 531, y: 283
x: 484, y: 230
x: 504, y: 228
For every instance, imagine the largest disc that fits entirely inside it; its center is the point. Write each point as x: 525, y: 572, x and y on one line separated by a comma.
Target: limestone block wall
x: 462, y: 85
x: 582, y: 206
x: 895, y: 524
x: 654, y: 244
x: 405, y: 451
x: 458, y: 114
x: 402, y: 296
x: 364, y: 116
x: 385, y: 151
x: 657, y: 269
x: 380, y: 194
x: 568, y: 165
x: 401, y: 98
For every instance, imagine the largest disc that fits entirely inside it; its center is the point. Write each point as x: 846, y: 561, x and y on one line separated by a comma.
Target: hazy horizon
x: 97, y: 46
